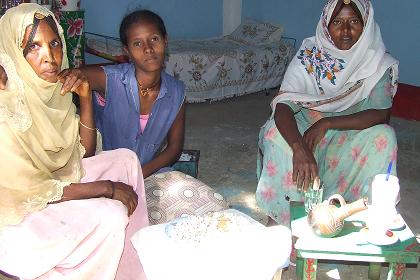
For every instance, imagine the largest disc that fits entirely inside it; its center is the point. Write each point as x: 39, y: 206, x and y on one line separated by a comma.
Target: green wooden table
x: 350, y: 245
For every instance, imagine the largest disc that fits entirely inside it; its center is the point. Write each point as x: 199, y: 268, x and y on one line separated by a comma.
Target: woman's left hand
x: 315, y: 133
x: 74, y: 81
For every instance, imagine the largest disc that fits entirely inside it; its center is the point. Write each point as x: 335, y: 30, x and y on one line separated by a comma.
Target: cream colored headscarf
x: 327, y: 79
x: 40, y: 150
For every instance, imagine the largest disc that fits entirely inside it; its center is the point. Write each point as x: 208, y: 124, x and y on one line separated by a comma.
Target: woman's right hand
x: 3, y: 78
x: 125, y: 194
x: 305, y: 168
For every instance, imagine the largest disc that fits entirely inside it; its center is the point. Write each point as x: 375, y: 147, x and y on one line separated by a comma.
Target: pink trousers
x: 81, y: 239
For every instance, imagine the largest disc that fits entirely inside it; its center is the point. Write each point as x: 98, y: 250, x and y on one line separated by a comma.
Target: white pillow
x: 252, y: 32
x: 240, y: 249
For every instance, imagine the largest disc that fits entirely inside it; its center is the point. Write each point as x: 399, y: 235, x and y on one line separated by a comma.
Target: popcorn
x: 198, y: 229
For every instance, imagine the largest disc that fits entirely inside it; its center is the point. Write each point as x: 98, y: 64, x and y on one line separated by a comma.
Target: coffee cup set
x: 327, y: 220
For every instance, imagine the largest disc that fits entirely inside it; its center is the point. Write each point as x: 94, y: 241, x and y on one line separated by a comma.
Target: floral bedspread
x: 215, y: 69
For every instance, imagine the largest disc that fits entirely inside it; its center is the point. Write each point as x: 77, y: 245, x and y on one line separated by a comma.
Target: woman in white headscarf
x: 61, y: 215
x: 330, y: 116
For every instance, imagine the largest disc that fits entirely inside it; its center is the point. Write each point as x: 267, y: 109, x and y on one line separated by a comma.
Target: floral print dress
x: 347, y: 159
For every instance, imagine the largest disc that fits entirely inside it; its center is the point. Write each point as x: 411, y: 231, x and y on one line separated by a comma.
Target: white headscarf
x: 327, y: 79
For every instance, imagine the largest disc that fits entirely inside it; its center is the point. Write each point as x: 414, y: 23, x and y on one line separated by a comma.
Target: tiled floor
x: 226, y: 134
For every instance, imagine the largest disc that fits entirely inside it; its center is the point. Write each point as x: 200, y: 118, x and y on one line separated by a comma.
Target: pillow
x: 252, y: 32
x: 173, y: 194
x: 225, y: 245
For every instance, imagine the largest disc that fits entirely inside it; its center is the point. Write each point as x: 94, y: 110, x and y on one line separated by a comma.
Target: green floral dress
x: 347, y: 160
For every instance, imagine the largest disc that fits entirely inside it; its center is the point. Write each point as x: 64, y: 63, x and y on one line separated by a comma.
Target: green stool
x: 350, y: 245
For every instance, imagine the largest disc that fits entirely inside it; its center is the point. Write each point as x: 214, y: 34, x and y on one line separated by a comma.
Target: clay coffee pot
x: 326, y: 219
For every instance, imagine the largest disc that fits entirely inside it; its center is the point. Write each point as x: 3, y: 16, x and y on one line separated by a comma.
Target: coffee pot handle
x: 336, y: 197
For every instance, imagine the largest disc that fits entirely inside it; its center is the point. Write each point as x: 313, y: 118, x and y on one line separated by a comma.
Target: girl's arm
x: 87, y: 129
x: 94, y: 74
x: 173, y: 149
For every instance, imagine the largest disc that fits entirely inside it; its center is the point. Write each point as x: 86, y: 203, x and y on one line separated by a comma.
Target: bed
x: 252, y: 58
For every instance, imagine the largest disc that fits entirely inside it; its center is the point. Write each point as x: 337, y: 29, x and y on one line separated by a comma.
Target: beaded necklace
x: 145, y: 91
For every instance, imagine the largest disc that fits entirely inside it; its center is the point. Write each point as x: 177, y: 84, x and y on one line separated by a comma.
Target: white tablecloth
x: 256, y: 252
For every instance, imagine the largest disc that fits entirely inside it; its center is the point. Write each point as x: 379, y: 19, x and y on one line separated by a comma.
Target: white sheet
x: 256, y: 252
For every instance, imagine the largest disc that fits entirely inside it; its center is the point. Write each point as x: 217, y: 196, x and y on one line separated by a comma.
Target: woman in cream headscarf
x: 60, y: 215
x: 329, y: 117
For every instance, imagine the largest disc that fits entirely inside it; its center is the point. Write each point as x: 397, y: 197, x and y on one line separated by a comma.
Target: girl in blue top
x: 137, y: 105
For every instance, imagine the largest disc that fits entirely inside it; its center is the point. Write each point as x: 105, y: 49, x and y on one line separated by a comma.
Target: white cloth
x: 327, y: 79
x: 251, y: 252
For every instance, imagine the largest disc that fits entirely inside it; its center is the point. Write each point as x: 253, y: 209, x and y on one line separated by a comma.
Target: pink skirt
x: 81, y: 239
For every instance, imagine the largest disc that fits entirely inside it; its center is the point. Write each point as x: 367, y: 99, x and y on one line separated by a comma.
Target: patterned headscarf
x: 325, y: 78
x: 40, y: 150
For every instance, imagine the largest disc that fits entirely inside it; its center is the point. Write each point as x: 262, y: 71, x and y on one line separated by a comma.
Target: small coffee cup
x: 378, y: 227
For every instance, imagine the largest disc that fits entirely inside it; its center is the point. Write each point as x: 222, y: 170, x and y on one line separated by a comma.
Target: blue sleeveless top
x: 118, y: 120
